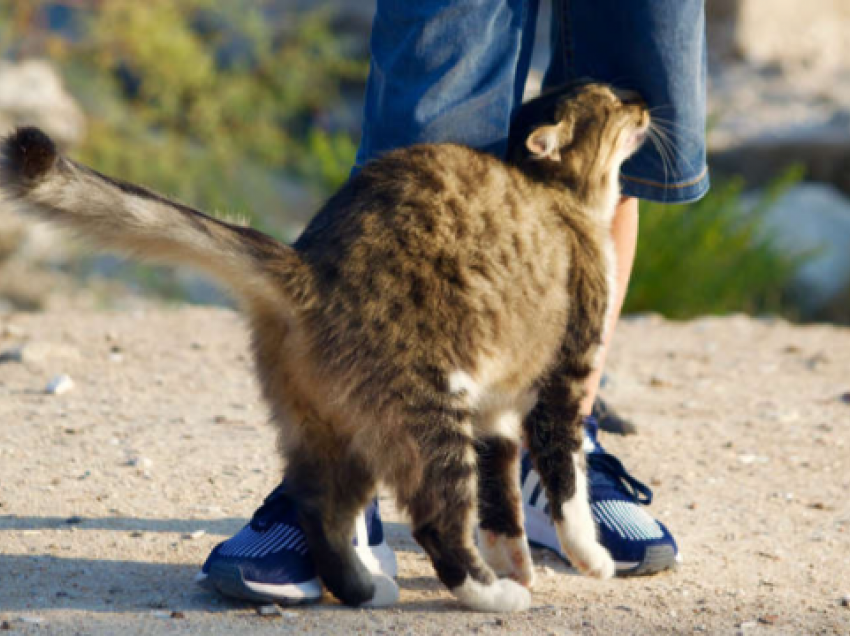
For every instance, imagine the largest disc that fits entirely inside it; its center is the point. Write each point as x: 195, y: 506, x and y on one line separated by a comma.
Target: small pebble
x: 819, y: 505
x: 143, y: 463
x: 845, y: 397
x: 197, y: 534
x: 31, y: 620
x: 816, y: 361
x: 59, y: 385
x: 12, y: 331
x: 15, y: 354
x: 769, y: 619
x: 269, y: 611
x: 845, y: 600
x: 747, y: 458
x: 178, y: 615
x: 658, y: 382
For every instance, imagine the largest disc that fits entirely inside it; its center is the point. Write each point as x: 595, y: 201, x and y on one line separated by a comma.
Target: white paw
x: 503, y: 595
x: 386, y: 592
x: 509, y: 557
x: 593, y: 560
x: 513, y: 597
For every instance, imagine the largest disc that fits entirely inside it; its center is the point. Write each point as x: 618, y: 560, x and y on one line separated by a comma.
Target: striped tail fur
x: 127, y: 218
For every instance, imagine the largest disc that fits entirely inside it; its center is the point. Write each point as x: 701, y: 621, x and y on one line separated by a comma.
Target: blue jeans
x: 454, y: 70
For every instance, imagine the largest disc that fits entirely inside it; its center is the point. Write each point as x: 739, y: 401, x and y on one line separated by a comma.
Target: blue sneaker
x: 268, y: 561
x: 638, y: 543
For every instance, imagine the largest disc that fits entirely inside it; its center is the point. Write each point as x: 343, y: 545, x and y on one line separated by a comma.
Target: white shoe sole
x: 542, y: 534
x: 228, y: 579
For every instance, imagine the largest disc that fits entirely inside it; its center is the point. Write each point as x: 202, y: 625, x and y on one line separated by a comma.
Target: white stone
x: 31, y: 620
x: 59, y: 385
x: 143, y: 463
x: 269, y: 610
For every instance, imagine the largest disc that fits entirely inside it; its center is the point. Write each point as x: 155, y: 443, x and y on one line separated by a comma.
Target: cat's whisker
x: 680, y: 129
x: 667, y: 138
x: 662, y: 153
x: 658, y: 142
x: 669, y: 152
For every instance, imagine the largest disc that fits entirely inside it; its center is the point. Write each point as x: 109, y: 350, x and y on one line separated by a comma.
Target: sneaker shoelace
x: 275, y: 507
x: 609, y: 470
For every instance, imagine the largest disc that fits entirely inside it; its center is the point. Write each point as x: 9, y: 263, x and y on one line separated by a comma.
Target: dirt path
x: 106, y: 489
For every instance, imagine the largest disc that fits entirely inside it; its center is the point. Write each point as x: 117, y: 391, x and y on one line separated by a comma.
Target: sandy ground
x: 112, y: 494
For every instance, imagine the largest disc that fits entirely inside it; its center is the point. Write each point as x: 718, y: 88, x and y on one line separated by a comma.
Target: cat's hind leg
x: 442, y: 509
x: 501, y: 525
x: 331, y: 493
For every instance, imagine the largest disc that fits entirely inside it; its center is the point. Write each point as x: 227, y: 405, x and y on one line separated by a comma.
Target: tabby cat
x: 442, y: 304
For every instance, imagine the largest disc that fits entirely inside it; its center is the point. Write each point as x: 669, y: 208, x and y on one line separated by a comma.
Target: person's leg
x: 446, y: 71
x: 656, y: 47
x: 624, y: 231
x: 440, y: 70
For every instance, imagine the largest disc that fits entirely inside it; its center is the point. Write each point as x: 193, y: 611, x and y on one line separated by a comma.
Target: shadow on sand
x: 33, y: 582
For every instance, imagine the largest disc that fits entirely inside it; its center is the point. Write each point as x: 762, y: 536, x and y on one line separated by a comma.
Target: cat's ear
x: 545, y: 142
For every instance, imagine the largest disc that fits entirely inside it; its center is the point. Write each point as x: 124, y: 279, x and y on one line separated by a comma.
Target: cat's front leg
x: 554, y: 433
x: 577, y: 530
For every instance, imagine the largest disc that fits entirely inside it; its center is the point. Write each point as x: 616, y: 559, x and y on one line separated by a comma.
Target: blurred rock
x: 776, y: 100
x: 815, y: 218
x: 31, y: 93
x: 758, y: 32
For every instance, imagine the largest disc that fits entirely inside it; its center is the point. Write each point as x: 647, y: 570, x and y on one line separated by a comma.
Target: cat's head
x: 580, y: 136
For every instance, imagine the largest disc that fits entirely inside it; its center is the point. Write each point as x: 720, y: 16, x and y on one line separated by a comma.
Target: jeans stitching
x: 668, y: 186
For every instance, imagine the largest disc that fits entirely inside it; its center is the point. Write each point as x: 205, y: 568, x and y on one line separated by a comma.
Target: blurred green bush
x: 712, y: 256
x: 227, y: 106
x: 210, y: 102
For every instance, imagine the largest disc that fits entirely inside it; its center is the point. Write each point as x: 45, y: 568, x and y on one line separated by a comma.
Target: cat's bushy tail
x: 121, y: 216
